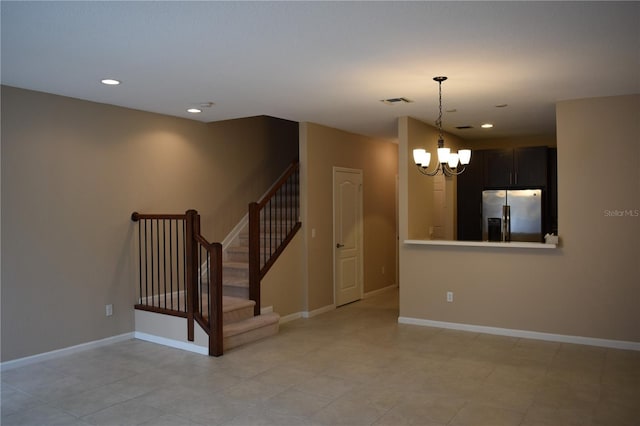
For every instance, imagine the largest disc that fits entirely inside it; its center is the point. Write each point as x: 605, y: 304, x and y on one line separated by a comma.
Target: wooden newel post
x: 254, y: 256
x: 191, y: 267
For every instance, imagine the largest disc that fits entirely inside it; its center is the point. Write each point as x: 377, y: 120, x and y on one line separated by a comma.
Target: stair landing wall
x: 170, y: 331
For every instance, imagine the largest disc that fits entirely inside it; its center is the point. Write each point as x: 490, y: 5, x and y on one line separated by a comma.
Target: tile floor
x: 351, y: 366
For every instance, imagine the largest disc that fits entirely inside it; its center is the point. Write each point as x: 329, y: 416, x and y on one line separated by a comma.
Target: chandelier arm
x: 424, y: 171
x: 453, y: 172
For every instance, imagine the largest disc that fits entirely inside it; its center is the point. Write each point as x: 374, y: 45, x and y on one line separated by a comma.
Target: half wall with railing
x: 180, y: 273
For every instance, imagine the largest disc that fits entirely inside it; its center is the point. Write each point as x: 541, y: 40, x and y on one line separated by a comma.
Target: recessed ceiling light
x: 110, y: 81
x: 487, y: 126
x: 194, y: 110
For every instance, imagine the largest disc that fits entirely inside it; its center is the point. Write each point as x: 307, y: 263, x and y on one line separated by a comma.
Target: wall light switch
x: 109, y: 310
x: 449, y: 296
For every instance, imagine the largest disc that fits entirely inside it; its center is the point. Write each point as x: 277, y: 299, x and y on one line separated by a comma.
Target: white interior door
x: 347, y: 223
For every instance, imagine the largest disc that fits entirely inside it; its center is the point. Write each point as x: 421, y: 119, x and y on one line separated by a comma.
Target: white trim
x: 380, y: 291
x: 21, y: 362
x: 171, y: 343
x: 315, y: 312
x: 580, y: 340
x: 307, y: 314
x: 235, y: 232
x: 266, y: 310
x: 511, y: 244
x: 290, y: 317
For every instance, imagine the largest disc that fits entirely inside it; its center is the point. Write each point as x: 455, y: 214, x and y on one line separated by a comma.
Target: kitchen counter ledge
x: 512, y: 244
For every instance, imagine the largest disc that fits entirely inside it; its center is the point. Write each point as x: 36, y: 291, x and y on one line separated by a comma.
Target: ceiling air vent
x: 393, y: 101
x: 464, y: 127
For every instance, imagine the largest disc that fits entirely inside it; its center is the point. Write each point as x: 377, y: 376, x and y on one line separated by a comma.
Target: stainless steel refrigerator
x: 512, y: 215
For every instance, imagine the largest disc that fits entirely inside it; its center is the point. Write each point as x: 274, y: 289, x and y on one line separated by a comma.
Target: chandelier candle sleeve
x: 453, y: 160
x: 465, y: 156
x: 421, y: 157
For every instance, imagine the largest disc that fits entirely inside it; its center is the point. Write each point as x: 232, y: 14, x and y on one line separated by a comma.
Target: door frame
x: 360, y: 227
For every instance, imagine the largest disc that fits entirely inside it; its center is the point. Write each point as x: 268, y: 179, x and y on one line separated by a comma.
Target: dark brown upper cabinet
x: 516, y: 168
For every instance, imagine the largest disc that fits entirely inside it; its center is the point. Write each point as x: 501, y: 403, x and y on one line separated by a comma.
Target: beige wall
x: 589, y: 286
x: 72, y: 174
x: 321, y: 149
x: 241, y: 169
x: 282, y: 287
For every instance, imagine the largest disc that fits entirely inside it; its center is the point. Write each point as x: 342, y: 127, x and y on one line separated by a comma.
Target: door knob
x: 339, y: 245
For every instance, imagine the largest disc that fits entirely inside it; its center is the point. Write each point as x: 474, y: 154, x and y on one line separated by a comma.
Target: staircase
x: 182, y: 275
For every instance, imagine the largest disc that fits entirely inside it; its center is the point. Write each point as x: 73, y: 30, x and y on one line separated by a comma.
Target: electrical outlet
x: 449, y: 296
x: 108, y: 309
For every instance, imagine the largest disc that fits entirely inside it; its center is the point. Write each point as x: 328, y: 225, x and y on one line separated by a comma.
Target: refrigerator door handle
x: 506, y: 223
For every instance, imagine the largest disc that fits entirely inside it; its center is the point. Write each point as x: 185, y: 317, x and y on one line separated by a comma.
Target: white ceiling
x: 330, y: 62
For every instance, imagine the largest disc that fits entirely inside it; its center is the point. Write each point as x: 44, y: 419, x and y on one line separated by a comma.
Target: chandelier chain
x: 439, y: 121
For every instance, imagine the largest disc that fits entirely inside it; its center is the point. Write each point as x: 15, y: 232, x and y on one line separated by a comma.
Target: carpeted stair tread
x: 236, y: 265
x: 233, y: 303
x: 238, y: 249
x: 236, y: 282
x: 233, y: 329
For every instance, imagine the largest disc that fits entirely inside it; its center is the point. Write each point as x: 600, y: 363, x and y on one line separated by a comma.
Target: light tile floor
x: 352, y: 366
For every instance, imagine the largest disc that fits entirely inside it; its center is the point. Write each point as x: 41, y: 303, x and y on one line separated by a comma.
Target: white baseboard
x: 171, y: 343
x: 324, y: 309
x: 380, y: 291
x: 21, y: 362
x: 306, y: 314
x: 283, y: 319
x: 290, y: 317
x: 579, y: 340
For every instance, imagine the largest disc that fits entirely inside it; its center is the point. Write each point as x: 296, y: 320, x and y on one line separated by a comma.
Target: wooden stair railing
x: 181, y: 272
x: 172, y: 279
x: 273, y: 222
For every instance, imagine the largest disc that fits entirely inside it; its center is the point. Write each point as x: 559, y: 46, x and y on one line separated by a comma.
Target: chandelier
x: 447, y: 161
